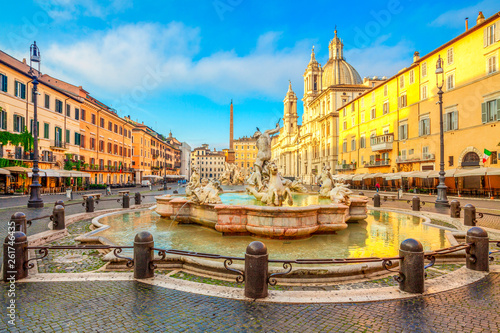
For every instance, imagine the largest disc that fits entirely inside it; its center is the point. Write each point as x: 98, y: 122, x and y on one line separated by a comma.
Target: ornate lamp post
x: 441, y: 200
x: 35, y: 201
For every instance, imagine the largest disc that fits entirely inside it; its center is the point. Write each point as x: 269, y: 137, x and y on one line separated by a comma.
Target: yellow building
x: 302, y: 151
x: 395, y: 126
x: 210, y: 163
x: 58, y: 120
x: 245, y: 152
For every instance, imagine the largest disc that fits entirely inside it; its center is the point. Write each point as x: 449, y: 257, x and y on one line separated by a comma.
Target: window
x: 362, y: 142
x: 67, y: 136
x: 3, y: 119
x: 110, y: 126
x: 93, y: 119
x: 353, y: 121
x: 3, y: 83
x: 450, y: 81
x: 47, y: 101
x: 373, y: 113
x: 77, y: 114
x: 412, y: 77
x: 373, y: 97
x: 102, y: 123
x: 344, y: 146
x: 402, y: 81
x: 109, y: 147
x: 68, y: 110
x: 362, y: 117
x: 59, y: 106
x: 92, y: 143
x: 77, y: 139
x: 494, y: 157
x: 345, y: 124
x: 116, y: 128
x: 489, y: 35
x: 18, y: 123
x: 83, y: 114
x: 344, y: 112
x: 386, y: 90
x: 37, y: 127
x: 402, y: 101
x: 101, y: 146
x: 353, y: 144
x: 411, y: 151
x: 450, y: 121
x: 424, y: 127
x: 362, y: 102
x: 385, y: 108
x: 20, y: 90
x: 424, y: 69
x: 403, y: 155
x: 450, y: 161
x: 403, y: 131
x: 46, y: 131
x: 492, y: 65
x: 424, y: 92
x: 450, y: 56
x: 490, y: 111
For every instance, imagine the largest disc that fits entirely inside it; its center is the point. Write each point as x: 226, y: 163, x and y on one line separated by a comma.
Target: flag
x: 486, y: 155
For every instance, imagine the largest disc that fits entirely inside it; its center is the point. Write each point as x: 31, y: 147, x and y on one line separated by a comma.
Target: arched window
x: 470, y: 159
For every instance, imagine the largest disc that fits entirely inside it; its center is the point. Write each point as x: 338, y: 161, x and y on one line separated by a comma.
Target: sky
x: 176, y: 65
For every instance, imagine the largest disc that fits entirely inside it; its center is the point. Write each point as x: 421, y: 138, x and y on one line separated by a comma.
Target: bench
x: 96, y: 196
x: 389, y: 196
x: 123, y: 192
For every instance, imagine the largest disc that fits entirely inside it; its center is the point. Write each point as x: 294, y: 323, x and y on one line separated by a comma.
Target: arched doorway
x: 471, y: 159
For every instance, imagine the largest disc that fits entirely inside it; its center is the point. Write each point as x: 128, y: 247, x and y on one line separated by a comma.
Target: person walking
x: 377, y: 186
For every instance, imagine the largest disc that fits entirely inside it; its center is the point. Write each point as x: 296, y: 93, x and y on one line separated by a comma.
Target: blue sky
x: 176, y: 65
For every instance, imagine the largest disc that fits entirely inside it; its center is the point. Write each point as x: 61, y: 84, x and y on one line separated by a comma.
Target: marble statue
x: 263, y: 156
x: 340, y: 194
x: 276, y: 193
x: 194, y: 182
x: 208, y: 193
x: 232, y: 175
x: 326, y: 181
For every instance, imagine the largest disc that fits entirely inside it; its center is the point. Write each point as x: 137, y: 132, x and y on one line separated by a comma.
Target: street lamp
x: 441, y: 200
x: 35, y: 201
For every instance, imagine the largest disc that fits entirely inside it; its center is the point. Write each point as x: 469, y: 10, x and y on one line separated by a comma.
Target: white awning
x: 420, y: 174
x: 358, y: 178
x: 4, y: 172
x: 373, y: 175
x: 493, y: 172
x: 392, y: 176
x: 46, y: 173
x: 152, y: 176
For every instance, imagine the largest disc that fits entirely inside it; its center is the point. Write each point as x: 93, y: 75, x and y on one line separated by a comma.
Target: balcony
x: 345, y: 167
x: 58, y: 145
x: 382, y: 142
x: 378, y: 163
x: 423, y: 158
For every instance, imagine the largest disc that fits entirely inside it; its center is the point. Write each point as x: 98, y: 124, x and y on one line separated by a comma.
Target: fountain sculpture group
x: 203, y: 205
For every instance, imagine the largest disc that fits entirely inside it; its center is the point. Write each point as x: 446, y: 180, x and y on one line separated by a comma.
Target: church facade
x: 301, y: 151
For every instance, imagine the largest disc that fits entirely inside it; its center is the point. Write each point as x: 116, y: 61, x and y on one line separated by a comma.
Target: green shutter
x: 455, y: 120
x: 67, y: 136
x: 23, y: 91
x: 498, y: 109
x: 483, y: 113
x: 46, y: 132
x: 23, y: 125
x: 445, y: 122
x: 4, y: 83
x: 16, y: 90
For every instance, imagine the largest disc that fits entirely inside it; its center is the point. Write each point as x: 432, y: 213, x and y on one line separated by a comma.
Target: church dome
x: 337, y: 70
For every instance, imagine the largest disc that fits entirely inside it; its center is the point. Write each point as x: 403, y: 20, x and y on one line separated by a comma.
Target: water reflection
x: 379, y: 235
x: 299, y: 200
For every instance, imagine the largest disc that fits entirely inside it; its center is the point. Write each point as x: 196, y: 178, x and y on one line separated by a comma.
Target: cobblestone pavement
x: 131, y: 306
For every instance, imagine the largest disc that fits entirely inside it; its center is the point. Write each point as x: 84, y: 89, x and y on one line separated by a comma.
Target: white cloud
x: 145, y: 57
x: 63, y: 10
x: 456, y: 18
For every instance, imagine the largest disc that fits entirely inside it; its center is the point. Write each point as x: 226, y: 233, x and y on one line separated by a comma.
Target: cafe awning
x: 358, y: 178
x: 18, y: 169
x: 152, y: 176
x: 4, y: 172
x: 46, y: 173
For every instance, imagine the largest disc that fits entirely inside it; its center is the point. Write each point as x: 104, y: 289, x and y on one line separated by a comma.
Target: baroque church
x: 301, y: 151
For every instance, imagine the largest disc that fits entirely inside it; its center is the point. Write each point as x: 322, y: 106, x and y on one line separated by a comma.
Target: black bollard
x: 59, y: 203
x: 138, y: 198
x: 143, y: 255
x: 15, y: 255
x: 89, y: 204
x: 477, y: 257
x: 415, y: 203
x: 256, y: 264
x: 58, y: 218
x: 411, y: 267
x: 19, y: 219
x: 455, y: 209
x: 470, y: 215
x: 376, y: 200
x: 126, y: 201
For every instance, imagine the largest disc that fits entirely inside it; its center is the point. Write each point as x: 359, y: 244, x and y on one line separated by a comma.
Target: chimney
x: 416, y: 56
x: 466, y: 24
x: 24, y: 61
x: 480, y: 18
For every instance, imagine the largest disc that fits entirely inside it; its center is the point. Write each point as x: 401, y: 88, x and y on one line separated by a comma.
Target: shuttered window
x: 450, y: 121
x: 3, y: 83
x: 490, y: 111
x: 3, y: 119
x: 20, y: 90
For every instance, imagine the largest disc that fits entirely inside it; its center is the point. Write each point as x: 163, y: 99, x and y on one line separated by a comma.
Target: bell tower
x: 290, y: 115
x: 313, y: 77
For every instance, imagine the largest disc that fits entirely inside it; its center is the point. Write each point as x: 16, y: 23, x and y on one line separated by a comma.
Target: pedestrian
x: 377, y: 186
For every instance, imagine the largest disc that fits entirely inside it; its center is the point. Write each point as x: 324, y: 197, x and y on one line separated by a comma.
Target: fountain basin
x: 357, y: 208
x: 263, y: 221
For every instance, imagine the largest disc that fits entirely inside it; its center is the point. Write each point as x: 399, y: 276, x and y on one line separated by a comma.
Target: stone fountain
x: 275, y: 215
